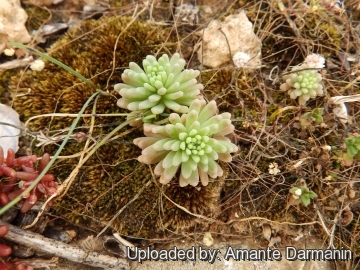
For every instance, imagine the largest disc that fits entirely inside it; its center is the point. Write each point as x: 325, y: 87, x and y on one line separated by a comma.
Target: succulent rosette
x: 192, y: 142
x: 303, y: 83
x: 161, y: 84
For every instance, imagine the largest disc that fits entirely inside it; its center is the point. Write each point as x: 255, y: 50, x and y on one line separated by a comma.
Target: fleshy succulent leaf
x: 305, y: 200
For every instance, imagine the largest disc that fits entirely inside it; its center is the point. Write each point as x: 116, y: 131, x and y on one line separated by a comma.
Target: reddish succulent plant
x: 16, y: 174
x: 6, y: 251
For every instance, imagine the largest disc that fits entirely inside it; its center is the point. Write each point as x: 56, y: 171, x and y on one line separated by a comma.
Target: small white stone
x: 273, y: 168
x: 298, y: 192
x: 37, y: 65
x: 13, y: 18
x: 9, y: 52
x: 208, y: 240
x: 297, y: 238
x: 326, y: 147
x: 315, y: 60
x: 341, y: 112
x: 222, y: 39
x: 240, y: 59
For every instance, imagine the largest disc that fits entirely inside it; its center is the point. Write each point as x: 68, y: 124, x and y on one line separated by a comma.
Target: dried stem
x: 43, y: 244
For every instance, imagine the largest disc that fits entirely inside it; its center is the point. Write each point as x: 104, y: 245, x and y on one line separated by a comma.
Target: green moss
x: 225, y: 86
x: 112, y: 178
x: 282, y: 45
x: 322, y: 27
x: 235, y: 92
x: 36, y: 17
x: 4, y: 85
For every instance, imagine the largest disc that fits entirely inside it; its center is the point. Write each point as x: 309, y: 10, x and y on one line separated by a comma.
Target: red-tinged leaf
x: 52, y: 184
x: 8, y: 171
x: 3, y: 230
x: 12, y: 195
x: 348, y: 160
x: 10, y: 158
x: 10, y: 184
x: 32, y: 199
x: 6, y: 266
x: 26, y: 206
x: 1, y: 155
x: 41, y: 188
x: 4, y: 200
x: 44, y: 161
x: 48, y: 177
x: 20, y: 266
x: 27, y: 169
x: 5, y: 250
x: 27, y: 176
x: 37, y: 193
x: 28, y: 161
x: 51, y: 191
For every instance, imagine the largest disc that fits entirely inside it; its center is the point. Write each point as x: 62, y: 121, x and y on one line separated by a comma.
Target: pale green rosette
x: 161, y: 84
x: 192, y: 142
x: 303, y: 83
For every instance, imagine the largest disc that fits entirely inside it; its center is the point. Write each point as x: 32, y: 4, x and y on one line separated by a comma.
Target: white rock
x: 238, y: 31
x: 13, y: 18
x: 240, y: 59
x: 208, y: 239
x: 9, y: 52
x: 37, y: 65
x: 9, y: 136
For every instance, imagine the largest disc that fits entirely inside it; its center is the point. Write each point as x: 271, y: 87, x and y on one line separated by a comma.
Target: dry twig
x: 56, y: 248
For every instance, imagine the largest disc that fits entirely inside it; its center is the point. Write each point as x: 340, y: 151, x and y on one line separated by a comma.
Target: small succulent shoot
x: 315, y: 61
x: 37, y: 65
x: 9, y: 51
x: 303, y: 83
x: 302, y: 193
x: 352, y: 150
x: 274, y: 168
x: 192, y: 142
x: 161, y: 84
x: 240, y: 59
x: 315, y: 116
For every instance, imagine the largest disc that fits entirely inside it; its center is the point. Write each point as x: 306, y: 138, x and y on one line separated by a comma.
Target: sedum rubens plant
x: 315, y: 116
x: 192, y: 142
x: 302, y: 193
x: 161, y: 84
x: 303, y: 83
x: 352, y: 150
